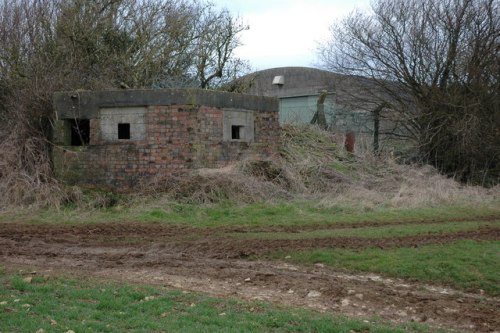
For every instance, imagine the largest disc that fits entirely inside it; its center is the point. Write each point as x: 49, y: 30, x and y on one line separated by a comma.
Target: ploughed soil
x: 215, y: 262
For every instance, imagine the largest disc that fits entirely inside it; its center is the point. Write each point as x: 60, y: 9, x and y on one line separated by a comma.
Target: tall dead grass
x: 26, y: 177
x: 311, y: 167
x: 424, y: 186
x: 209, y: 186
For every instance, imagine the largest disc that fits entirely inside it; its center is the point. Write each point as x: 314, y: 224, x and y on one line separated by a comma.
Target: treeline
x: 436, y: 69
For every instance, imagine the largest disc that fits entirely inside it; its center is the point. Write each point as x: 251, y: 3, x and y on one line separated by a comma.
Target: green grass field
x: 251, y: 215
x: 467, y: 265
x: 63, y: 304
x: 374, y: 232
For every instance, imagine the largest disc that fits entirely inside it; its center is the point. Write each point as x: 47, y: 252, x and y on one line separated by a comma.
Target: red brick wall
x: 178, y: 138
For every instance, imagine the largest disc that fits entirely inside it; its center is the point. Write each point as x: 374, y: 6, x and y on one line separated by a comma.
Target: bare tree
x: 435, y: 65
x: 218, y: 32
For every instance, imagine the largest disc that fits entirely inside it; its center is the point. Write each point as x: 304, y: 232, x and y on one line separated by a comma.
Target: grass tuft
x: 19, y: 284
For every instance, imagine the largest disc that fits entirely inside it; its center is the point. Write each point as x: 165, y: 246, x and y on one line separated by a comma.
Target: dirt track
x: 208, y: 260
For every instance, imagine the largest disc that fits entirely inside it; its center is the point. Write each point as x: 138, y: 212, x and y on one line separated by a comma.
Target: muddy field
x: 215, y: 262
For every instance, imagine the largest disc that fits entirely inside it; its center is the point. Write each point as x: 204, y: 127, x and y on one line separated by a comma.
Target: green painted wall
x: 301, y: 109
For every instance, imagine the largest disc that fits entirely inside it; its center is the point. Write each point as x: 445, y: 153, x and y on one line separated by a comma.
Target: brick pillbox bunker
x: 115, y: 139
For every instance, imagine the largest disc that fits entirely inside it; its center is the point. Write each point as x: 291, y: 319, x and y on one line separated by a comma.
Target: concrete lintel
x: 86, y: 104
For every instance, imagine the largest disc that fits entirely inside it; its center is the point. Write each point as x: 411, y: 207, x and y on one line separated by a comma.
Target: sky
x: 286, y: 32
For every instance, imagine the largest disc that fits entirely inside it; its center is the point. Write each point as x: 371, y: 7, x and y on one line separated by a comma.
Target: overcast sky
x: 286, y: 32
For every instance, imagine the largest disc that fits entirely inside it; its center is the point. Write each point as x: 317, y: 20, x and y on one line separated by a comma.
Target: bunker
x: 116, y: 139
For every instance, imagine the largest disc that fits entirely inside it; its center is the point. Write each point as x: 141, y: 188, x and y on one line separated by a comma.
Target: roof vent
x: 279, y: 80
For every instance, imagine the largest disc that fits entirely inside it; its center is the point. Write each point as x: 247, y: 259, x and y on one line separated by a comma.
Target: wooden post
x: 350, y: 141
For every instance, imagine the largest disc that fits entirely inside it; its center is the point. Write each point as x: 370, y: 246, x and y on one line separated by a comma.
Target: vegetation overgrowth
x: 311, y: 170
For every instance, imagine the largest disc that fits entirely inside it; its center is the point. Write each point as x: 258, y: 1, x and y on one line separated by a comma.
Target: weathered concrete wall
x: 170, y: 132
x: 109, y: 117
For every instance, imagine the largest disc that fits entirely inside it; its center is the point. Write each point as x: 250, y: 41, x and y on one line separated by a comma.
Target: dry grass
x: 423, y: 187
x: 25, y: 171
x: 204, y: 186
x: 311, y: 167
